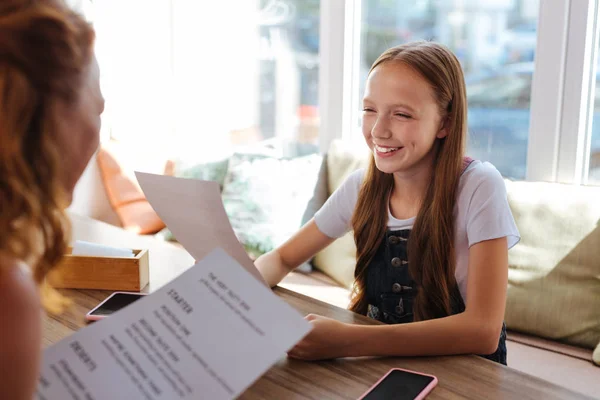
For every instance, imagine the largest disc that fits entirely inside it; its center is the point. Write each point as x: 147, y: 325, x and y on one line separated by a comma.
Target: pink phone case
x: 421, y: 395
x: 91, y: 317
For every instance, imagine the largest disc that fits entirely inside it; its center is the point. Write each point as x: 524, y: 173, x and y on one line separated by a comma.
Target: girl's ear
x: 443, y: 131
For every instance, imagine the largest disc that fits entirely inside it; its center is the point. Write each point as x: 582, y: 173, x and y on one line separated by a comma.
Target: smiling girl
x: 432, y: 228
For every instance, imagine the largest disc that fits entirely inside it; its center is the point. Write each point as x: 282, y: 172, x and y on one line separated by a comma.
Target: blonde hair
x: 44, y: 50
x: 431, y: 251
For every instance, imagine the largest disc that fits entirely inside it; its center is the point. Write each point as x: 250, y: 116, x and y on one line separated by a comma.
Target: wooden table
x: 468, y: 377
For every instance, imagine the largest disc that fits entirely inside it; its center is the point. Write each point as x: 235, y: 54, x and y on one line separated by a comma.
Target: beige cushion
x: 596, y: 355
x: 339, y: 259
x: 554, y: 276
x: 343, y: 159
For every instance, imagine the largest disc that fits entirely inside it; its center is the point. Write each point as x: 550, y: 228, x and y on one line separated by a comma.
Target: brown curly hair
x: 44, y: 50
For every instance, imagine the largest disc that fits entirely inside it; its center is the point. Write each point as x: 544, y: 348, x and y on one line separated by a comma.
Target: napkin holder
x: 102, y: 273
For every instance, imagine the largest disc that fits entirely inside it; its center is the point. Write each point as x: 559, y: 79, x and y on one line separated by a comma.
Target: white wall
x: 89, y: 198
x: 178, y: 76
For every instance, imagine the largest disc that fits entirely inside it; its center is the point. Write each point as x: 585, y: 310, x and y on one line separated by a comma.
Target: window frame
x: 579, y: 87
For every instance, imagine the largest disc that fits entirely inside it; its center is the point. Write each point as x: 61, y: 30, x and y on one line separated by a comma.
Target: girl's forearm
x: 272, y: 268
x: 457, y: 334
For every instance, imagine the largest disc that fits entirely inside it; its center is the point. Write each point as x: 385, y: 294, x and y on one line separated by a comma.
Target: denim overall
x: 390, y: 290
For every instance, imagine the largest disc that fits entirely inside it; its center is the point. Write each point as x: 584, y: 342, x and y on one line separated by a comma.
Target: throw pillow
x: 265, y: 197
x: 210, y: 171
x: 343, y: 159
x: 320, y: 195
x: 338, y: 260
x: 123, y: 191
x: 554, y: 275
x: 215, y: 169
x: 596, y: 355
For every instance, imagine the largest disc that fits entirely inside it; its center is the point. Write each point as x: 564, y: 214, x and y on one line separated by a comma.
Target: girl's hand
x: 328, y: 339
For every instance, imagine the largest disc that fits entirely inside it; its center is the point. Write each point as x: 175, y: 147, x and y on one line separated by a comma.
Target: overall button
x: 396, y: 288
x: 396, y: 262
x: 393, y: 240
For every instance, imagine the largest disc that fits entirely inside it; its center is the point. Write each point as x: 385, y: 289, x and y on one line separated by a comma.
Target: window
x: 495, y: 42
x: 192, y: 79
x: 289, y: 74
x: 508, y: 89
x: 196, y: 80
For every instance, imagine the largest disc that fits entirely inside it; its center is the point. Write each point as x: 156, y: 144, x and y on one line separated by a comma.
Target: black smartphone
x: 112, y: 304
x: 401, y: 384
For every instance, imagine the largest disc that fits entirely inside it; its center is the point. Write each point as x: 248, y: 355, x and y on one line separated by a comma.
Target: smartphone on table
x: 112, y: 304
x: 401, y: 384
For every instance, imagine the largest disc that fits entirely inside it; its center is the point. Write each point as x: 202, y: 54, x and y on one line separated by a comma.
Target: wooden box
x: 103, y: 273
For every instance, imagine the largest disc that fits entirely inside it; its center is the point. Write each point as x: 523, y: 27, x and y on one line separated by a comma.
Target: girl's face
x: 401, y: 118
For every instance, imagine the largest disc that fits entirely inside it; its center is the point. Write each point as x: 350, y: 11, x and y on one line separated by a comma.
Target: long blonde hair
x: 431, y: 252
x: 44, y: 49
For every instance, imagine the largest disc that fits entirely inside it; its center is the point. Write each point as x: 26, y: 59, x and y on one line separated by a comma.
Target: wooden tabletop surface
x: 469, y: 377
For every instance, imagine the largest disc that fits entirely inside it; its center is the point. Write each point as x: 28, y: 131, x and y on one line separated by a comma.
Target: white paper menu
x: 208, y: 334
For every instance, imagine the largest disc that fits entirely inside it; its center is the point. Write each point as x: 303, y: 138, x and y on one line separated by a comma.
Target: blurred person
x: 50, y: 106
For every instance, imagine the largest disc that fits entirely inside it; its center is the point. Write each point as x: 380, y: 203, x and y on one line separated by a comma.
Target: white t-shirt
x: 482, y: 213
